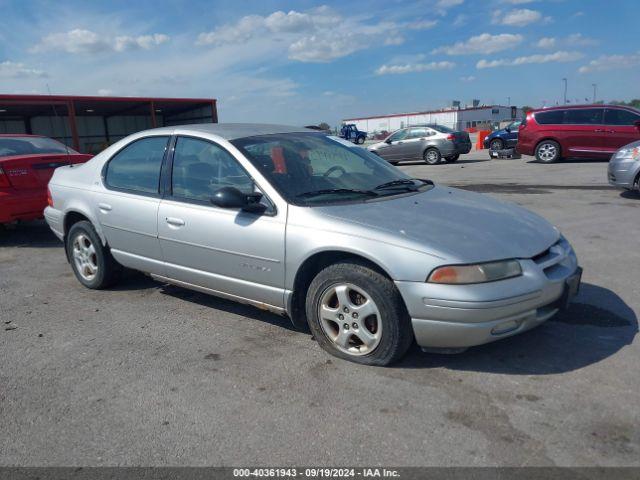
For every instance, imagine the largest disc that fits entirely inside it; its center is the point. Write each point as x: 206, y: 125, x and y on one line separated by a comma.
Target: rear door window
x: 553, y: 117
x: 584, y: 116
x: 618, y: 116
x: 136, y: 168
x: 417, y: 133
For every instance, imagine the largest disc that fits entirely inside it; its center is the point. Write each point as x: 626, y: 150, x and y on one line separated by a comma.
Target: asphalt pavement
x: 149, y: 374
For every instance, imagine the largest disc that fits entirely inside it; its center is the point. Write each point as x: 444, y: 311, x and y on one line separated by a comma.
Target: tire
x: 360, y: 140
x: 92, y: 263
x: 432, y: 156
x: 496, y: 144
x: 548, y: 151
x: 390, y: 325
x: 393, y: 162
x: 452, y: 159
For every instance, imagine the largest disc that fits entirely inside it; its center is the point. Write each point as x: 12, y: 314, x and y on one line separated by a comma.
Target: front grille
x: 550, y: 259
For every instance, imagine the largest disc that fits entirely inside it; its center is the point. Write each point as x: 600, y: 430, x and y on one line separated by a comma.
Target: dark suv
x: 583, y: 131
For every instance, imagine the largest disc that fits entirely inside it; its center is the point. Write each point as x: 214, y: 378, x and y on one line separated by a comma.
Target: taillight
x: 451, y: 136
x: 49, y: 198
x: 4, y: 179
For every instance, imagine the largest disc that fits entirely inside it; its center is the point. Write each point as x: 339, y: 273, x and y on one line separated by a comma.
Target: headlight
x: 480, y: 273
x: 628, y: 153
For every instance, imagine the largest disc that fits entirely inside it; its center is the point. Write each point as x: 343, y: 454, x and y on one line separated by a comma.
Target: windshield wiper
x: 329, y: 191
x: 400, y: 183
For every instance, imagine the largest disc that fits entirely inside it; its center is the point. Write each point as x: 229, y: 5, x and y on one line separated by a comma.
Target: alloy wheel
x: 350, y: 319
x: 85, y: 257
x: 547, y: 152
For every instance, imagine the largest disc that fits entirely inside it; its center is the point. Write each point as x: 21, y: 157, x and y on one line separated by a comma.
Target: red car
x: 26, y: 165
x: 581, y: 131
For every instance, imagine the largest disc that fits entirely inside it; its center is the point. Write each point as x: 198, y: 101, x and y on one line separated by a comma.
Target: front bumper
x: 623, y: 173
x: 454, y: 316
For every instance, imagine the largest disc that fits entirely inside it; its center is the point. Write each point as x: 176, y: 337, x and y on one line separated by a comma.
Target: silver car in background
x: 314, y: 227
x: 624, y: 167
x: 431, y: 143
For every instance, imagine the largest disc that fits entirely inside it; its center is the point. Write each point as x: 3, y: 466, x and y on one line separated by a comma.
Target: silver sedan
x: 624, y: 167
x: 316, y: 228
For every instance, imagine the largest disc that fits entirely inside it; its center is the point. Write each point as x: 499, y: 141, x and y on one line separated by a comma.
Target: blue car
x: 505, y: 138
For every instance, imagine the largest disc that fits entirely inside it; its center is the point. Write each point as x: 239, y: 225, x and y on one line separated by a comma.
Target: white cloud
x: 105, y: 92
x: 573, y: 40
x: 611, y: 62
x: 145, y: 42
x: 579, y: 40
x: 468, y: 79
x: 422, y: 24
x: 520, y: 17
x: 86, y: 41
x: 546, y: 42
x: 414, y: 67
x: 317, y: 35
x: 559, y: 56
x: 484, y: 43
x: 443, y: 5
x: 460, y: 20
x: 19, y: 70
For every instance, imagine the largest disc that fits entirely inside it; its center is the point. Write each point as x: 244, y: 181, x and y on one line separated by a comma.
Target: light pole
x: 565, y: 90
x: 595, y: 86
x: 509, y: 101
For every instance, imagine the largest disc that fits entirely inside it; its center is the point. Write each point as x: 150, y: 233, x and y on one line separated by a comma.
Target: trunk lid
x: 35, y: 170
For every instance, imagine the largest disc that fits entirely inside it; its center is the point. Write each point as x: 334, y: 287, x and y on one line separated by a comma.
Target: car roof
x: 586, y: 105
x: 232, y: 131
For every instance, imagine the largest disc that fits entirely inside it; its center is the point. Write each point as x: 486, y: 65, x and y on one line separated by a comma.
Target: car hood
x: 497, y: 133
x: 460, y: 226
x: 376, y: 145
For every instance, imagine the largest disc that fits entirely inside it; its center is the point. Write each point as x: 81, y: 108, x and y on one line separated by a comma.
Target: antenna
x: 64, y: 126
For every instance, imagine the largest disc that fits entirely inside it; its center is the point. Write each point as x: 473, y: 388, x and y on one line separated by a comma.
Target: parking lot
x: 149, y: 374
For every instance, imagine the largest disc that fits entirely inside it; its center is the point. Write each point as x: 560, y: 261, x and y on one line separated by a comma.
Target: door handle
x: 105, y: 207
x: 598, y: 130
x: 176, y: 222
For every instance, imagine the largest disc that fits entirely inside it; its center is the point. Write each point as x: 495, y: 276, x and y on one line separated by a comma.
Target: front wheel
x: 548, y: 151
x: 496, y: 144
x: 432, y: 156
x: 452, y: 159
x: 357, y: 314
x: 360, y: 140
x: 91, y: 262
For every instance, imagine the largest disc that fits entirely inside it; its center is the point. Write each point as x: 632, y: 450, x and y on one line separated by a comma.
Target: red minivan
x: 581, y: 131
x: 27, y: 163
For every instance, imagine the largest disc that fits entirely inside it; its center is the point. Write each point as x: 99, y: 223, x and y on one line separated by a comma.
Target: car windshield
x: 316, y: 169
x: 441, y: 128
x: 514, y: 125
x: 30, y: 146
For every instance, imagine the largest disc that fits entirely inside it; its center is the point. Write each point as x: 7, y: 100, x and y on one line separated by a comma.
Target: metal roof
x: 426, y: 112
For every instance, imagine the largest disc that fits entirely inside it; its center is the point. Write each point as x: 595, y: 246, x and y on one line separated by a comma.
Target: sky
x: 307, y: 62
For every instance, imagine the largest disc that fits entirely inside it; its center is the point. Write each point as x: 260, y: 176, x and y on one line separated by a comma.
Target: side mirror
x: 507, y: 129
x: 637, y: 124
x: 231, y: 197
x: 388, y: 141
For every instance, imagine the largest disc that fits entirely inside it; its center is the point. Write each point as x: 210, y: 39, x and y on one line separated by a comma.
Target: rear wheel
x: 548, y: 151
x: 432, y: 156
x: 496, y: 144
x: 91, y: 262
x: 452, y: 159
x: 357, y: 314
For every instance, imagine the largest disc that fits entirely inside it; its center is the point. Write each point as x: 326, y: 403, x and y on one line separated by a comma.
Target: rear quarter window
x: 553, y: 117
x: 136, y: 167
